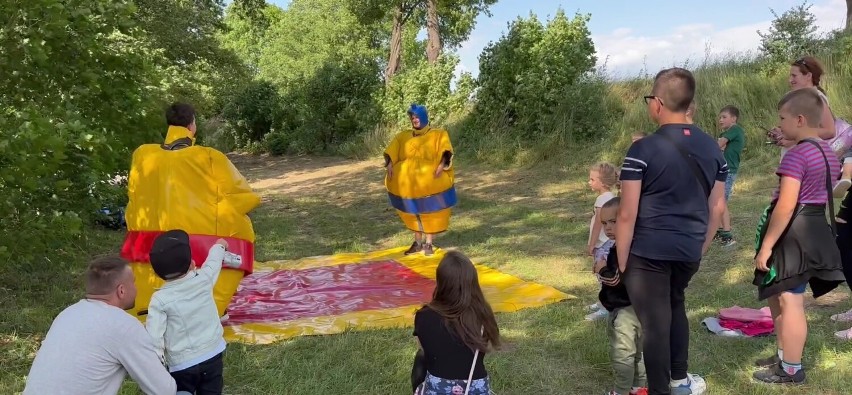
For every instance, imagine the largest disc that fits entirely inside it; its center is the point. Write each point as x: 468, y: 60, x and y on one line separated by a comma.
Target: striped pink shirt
x: 805, y: 163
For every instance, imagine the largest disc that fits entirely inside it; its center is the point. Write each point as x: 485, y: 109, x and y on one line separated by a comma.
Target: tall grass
x: 739, y: 80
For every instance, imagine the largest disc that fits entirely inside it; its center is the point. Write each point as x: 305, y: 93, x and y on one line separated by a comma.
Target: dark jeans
x: 656, y: 290
x: 202, y: 379
x: 844, y: 243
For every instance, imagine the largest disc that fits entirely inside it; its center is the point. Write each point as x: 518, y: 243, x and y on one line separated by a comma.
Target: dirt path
x: 345, y: 179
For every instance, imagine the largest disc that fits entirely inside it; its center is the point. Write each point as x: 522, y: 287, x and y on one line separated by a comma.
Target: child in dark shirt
x: 623, y: 328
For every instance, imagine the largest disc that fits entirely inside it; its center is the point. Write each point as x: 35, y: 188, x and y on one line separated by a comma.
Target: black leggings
x: 657, y: 292
x: 844, y: 244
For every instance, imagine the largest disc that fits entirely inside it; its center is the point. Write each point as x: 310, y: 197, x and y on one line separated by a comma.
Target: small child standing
x: 182, y: 316
x: 603, y: 178
x: 731, y: 142
x: 794, y: 246
x: 623, y: 328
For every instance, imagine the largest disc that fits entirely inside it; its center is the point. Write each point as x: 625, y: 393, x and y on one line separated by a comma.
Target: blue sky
x: 632, y: 35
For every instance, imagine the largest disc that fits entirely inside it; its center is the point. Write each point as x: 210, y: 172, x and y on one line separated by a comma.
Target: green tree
x: 309, y: 34
x: 529, y: 72
x: 448, y: 24
x: 791, y: 35
x: 79, y: 90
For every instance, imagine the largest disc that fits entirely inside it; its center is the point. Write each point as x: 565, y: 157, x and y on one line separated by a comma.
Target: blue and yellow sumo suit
x: 422, y: 200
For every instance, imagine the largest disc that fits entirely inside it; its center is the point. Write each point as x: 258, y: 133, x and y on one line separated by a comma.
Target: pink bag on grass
x: 745, y: 314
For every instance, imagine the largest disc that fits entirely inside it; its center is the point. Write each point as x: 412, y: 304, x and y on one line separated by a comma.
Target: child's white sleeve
x: 155, y: 324
x: 213, y: 265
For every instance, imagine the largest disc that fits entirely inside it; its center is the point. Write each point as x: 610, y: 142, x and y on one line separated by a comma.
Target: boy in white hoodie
x: 182, y: 316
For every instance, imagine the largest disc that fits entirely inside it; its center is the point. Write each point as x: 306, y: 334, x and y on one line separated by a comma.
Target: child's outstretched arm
x: 213, y: 265
x: 596, y: 232
x: 155, y: 324
x: 788, y: 198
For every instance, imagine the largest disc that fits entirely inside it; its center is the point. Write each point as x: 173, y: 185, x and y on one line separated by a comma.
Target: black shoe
x: 717, y: 236
x: 427, y: 249
x: 415, y: 248
x: 777, y: 375
x: 768, y: 361
x: 727, y: 241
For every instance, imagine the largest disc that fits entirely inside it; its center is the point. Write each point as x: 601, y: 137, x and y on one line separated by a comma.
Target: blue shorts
x: 729, y: 185
x: 798, y: 290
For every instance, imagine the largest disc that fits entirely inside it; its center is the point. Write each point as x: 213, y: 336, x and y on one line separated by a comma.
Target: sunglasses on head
x: 803, y: 63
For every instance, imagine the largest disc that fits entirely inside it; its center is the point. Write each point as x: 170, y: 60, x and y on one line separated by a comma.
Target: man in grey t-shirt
x: 93, y: 344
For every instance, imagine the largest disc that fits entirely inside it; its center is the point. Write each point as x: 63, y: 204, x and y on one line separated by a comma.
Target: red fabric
x: 137, y: 247
x: 751, y: 329
x: 291, y: 294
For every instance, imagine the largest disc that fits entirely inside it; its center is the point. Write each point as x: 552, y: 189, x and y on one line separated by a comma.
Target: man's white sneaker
x: 597, y: 315
x: 695, y: 386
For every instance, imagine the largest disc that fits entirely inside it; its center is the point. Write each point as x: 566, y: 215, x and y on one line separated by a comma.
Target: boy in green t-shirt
x: 732, y: 142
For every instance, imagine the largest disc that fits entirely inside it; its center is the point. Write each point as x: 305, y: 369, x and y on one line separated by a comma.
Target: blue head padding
x: 421, y: 114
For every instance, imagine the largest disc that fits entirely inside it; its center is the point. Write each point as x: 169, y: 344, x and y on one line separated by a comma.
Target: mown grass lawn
x: 531, y: 223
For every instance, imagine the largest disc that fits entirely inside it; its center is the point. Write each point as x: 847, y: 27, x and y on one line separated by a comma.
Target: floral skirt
x: 438, y: 386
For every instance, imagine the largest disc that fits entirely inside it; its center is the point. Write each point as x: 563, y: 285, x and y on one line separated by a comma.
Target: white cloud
x: 626, y: 54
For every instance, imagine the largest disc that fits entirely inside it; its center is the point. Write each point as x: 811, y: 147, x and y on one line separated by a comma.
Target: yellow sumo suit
x: 422, y: 200
x: 178, y: 185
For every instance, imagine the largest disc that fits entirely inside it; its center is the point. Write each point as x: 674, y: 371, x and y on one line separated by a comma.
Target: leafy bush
x: 791, y: 35
x: 67, y: 125
x: 253, y: 112
x: 428, y: 85
x: 536, y: 87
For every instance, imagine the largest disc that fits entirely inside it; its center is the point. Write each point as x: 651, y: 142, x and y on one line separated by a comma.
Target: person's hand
x: 223, y: 243
x: 390, y: 170
x: 590, y: 249
x: 439, y: 170
x: 761, y: 260
x: 778, y: 138
x: 599, y: 265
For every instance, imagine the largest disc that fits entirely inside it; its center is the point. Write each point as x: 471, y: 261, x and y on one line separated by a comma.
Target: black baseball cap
x: 171, y: 255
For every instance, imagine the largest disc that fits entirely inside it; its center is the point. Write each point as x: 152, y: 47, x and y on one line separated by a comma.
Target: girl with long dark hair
x: 455, y: 330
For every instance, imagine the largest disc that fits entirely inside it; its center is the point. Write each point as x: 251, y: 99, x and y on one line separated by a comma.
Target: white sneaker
x: 597, y: 315
x: 844, y: 335
x: 843, y: 317
x: 695, y: 386
x: 594, y: 307
x: 841, y: 187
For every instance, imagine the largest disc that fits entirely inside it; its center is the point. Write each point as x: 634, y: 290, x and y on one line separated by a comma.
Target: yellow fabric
x: 433, y: 223
x: 196, y: 189
x: 504, y: 292
x: 178, y: 132
x: 415, y: 156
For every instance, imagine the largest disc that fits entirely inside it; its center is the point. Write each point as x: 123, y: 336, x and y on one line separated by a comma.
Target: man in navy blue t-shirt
x: 672, y: 191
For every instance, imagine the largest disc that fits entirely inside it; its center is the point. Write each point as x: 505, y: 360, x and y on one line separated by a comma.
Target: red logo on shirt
x: 686, y: 132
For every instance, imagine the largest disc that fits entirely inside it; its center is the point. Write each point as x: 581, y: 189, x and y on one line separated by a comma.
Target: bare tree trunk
x: 848, y: 16
x: 395, y: 44
x: 433, y: 46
